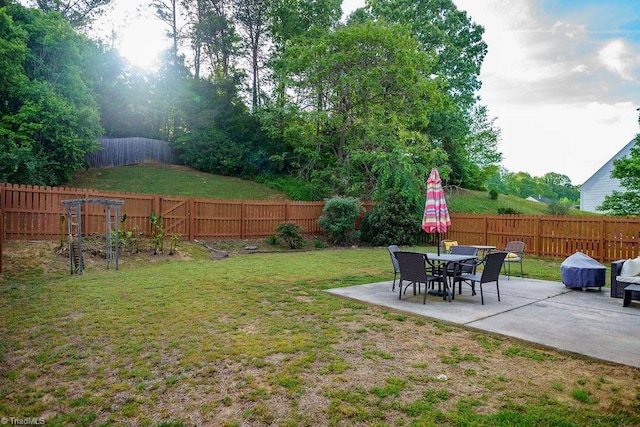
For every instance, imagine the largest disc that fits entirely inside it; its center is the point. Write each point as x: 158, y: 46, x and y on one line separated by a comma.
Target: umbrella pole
x: 438, y: 243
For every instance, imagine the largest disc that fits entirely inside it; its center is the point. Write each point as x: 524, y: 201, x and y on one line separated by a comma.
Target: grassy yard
x: 254, y: 340
x: 182, y: 181
x: 153, y: 178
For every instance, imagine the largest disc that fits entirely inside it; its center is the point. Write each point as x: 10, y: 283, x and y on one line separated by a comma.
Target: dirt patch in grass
x: 49, y: 257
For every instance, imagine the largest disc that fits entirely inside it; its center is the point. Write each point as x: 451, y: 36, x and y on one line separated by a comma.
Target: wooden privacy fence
x: 603, y: 238
x: 131, y: 151
x: 32, y: 212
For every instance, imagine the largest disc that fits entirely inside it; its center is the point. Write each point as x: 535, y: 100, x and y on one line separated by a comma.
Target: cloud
x: 570, y: 30
x: 616, y: 56
x: 560, y: 78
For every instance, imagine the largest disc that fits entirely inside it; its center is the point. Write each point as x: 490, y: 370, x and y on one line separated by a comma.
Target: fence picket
x: 32, y: 212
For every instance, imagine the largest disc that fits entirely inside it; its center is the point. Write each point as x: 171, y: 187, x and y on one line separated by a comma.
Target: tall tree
x: 289, y: 19
x: 218, y: 37
x: 252, y: 17
x: 79, y: 13
x: 356, y: 96
x: 440, y: 27
x: 481, y: 149
x: 167, y: 12
x: 48, y: 116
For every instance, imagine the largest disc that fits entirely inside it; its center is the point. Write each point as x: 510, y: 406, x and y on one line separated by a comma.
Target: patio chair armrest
x: 617, y: 287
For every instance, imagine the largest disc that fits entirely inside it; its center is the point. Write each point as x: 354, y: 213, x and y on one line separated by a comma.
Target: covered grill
x: 581, y: 271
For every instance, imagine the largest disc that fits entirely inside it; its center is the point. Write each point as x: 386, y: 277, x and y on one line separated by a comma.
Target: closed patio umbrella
x: 436, y: 214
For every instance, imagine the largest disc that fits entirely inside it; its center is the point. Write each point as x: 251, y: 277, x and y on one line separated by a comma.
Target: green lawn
x: 478, y: 202
x: 152, y: 178
x: 254, y: 340
x: 182, y: 181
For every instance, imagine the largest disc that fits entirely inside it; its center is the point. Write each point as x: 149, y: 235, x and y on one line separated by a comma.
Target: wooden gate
x: 175, y: 215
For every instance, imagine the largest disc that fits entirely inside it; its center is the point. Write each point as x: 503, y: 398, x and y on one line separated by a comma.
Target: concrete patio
x: 585, y: 322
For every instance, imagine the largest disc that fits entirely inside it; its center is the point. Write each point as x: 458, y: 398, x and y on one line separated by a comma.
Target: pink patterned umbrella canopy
x: 436, y: 214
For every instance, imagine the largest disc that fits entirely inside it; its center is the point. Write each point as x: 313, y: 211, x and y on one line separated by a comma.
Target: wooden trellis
x: 74, y: 231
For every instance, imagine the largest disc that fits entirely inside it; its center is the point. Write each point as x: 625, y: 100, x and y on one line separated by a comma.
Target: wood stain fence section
x: 37, y: 213
x: 32, y: 212
x: 603, y: 238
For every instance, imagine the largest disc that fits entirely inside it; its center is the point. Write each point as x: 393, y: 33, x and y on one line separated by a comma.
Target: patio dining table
x: 442, y: 262
x: 483, y: 250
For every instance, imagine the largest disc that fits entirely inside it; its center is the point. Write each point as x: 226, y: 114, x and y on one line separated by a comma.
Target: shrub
x: 493, y: 194
x: 508, y: 211
x: 392, y: 221
x: 558, y: 208
x: 338, y: 219
x: 272, y: 240
x: 157, y: 233
x: 396, y: 216
x: 290, y: 233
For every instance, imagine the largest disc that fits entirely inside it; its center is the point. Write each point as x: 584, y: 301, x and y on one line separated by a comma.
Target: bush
x: 493, y: 194
x: 392, y: 221
x: 558, y: 208
x: 397, y: 214
x: 290, y: 233
x: 338, y: 219
x: 508, y: 211
x: 272, y: 240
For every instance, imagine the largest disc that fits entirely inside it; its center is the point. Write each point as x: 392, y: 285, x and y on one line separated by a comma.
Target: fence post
x: 156, y: 206
x: 537, y: 240
x: 191, y: 223
x: 86, y: 224
x: 604, y: 250
x: 242, y: 215
x: 485, y: 229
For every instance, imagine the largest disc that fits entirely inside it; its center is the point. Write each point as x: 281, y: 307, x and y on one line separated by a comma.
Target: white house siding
x: 594, y: 189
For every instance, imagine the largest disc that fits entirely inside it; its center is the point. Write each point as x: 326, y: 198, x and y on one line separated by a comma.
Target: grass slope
x: 478, y: 202
x: 183, y: 181
x: 153, y: 178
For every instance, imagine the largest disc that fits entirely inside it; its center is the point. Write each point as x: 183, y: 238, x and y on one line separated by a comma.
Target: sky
x: 561, y: 77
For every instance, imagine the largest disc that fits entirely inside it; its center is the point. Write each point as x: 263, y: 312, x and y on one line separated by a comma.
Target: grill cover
x: 582, y: 271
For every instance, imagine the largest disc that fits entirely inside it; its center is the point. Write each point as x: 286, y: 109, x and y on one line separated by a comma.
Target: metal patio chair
x: 491, y: 273
x: 515, y: 253
x: 413, y: 269
x: 396, y: 268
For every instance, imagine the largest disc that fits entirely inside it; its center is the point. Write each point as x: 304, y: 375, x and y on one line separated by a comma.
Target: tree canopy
x: 79, y: 13
x: 48, y: 116
x: 552, y: 185
x: 281, y: 90
x: 355, y: 97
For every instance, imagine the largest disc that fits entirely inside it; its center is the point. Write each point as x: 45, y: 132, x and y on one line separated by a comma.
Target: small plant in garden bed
x: 291, y: 233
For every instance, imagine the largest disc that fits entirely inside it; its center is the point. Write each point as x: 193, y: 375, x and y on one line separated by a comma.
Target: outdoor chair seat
x: 622, y: 277
x: 394, y: 261
x: 413, y: 269
x: 491, y: 273
x: 456, y: 270
x: 515, y: 254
